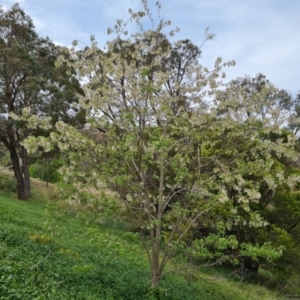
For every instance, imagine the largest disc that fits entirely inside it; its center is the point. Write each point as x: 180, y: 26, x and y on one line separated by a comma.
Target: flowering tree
x: 172, y: 147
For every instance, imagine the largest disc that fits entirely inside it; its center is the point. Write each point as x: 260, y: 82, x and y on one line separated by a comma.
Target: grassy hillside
x: 52, y: 252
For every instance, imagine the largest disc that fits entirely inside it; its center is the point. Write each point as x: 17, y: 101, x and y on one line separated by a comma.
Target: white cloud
x: 262, y: 36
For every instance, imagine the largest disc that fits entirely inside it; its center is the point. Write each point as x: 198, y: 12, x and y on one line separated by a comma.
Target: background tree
x: 32, y: 90
x: 259, y: 101
x: 294, y: 120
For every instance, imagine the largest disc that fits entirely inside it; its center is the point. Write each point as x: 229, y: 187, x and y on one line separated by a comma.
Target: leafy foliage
x: 46, y: 168
x: 7, y: 185
x: 33, y: 92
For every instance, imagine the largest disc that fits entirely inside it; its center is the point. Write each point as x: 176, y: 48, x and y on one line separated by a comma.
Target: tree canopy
x: 33, y: 93
x: 189, y: 157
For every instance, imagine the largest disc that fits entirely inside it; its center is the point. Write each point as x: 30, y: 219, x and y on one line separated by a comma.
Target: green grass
x: 47, y: 252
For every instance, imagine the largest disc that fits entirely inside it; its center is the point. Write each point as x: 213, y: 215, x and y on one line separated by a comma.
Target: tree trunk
x: 155, y: 280
x: 155, y: 262
x: 156, y: 267
x: 20, y: 167
x: 19, y: 159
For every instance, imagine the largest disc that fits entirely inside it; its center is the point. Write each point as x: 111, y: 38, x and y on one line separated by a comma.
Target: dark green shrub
x: 46, y: 169
x: 8, y: 185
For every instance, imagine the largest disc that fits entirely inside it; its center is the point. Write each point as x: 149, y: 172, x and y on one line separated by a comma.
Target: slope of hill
x: 51, y: 251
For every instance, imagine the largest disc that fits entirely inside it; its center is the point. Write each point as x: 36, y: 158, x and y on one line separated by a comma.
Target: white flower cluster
x: 32, y: 121
x: 32, y: 144
x: 257, y: 221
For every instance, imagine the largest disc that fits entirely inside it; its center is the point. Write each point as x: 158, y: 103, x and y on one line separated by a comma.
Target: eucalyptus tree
x: 294, y: 121
x: 32, y: 90
x: 169, y: 147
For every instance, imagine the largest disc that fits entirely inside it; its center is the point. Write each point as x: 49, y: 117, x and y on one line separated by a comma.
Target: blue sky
x: 260, y: 35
